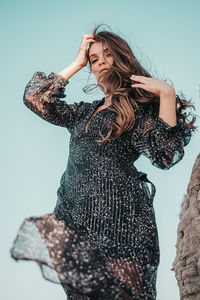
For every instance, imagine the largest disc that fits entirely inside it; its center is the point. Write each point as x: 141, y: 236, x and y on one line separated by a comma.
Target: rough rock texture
x: 187, y: 262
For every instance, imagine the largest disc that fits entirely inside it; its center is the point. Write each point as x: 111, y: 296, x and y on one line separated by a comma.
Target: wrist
x: 169, y: 93
x: 77, y: 65
x: 70, y: 70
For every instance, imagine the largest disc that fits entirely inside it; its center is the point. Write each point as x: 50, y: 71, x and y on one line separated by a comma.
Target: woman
x: 101, y: 241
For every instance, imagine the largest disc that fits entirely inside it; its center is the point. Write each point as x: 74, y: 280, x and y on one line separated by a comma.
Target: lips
x: 103, y: 70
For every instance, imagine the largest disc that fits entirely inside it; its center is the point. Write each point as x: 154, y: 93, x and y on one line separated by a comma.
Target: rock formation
x: 187, y: 262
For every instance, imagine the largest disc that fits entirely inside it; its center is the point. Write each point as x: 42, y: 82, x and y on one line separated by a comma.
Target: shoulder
x: 83, y: 108
x: 82, y: 105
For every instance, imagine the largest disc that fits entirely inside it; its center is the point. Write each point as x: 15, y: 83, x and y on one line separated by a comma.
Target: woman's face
x: 97, y: 61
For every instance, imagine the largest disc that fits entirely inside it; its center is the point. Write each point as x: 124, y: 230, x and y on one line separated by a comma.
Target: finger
x: 141, y: 86
x: 87, y: 36
x: 138, y: 85
x: 89, y: 40
x: 139, y: 78
x: 86, y: 42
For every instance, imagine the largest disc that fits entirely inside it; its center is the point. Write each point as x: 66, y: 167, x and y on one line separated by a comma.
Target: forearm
x: 70, y: 70
x: 167, y: 110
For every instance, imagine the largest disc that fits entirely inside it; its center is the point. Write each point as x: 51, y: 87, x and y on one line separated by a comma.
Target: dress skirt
x: 68, y: 256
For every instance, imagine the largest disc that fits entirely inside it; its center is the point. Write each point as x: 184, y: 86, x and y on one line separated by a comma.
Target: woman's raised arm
x: 81, y: 59
x: 42, y: 93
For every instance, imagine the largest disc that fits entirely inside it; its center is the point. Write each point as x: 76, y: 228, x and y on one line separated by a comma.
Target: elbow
x: 162, y: 165
x: 166, y: 160
x: 27, y: 97
x: 31, y: 101
x: 25, y: 100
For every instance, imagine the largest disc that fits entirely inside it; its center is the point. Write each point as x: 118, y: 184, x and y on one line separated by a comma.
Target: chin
x: 102, y: 74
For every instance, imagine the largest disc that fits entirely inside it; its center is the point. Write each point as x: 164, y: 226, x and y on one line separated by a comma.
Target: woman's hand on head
x: 153, y: 85
x: 82, y: 57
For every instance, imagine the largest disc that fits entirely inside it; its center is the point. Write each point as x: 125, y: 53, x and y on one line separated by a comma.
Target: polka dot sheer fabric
x: 101, y: 240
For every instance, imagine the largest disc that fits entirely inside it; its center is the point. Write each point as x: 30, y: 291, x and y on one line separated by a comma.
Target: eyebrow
x: 96, y: 54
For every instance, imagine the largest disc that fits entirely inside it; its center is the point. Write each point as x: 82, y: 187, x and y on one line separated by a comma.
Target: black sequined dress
x: 101, y: 240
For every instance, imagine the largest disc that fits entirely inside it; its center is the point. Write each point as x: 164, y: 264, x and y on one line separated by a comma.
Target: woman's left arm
x: 164, y: 143
x: 167, y: 110
x: 166, y: 93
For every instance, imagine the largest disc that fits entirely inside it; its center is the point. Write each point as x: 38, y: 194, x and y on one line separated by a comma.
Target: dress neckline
x: 96, y: 105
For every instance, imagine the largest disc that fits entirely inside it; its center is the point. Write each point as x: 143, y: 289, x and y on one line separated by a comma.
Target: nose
x: 101, y: 60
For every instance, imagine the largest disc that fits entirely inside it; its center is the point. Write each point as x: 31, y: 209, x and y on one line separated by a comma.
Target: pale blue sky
x: 45, y: 36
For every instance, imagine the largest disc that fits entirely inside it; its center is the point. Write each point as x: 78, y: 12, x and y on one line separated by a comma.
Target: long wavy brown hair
x: 118, y: 84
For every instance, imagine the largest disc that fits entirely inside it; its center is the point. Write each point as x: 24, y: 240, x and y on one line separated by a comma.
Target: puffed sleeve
x: 163, y: 144
x: 42, y: 95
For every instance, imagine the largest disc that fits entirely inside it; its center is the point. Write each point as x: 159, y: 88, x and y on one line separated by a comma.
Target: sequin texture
x: 101, y: 240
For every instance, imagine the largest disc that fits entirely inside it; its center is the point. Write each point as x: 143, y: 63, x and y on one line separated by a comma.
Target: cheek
x: 94, y: 70
x: 111, y: 61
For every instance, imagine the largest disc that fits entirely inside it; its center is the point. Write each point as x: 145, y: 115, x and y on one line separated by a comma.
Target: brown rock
x: 187, y: 261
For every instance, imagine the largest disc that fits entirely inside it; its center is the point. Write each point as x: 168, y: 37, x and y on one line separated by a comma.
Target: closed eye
x: 97, y: 59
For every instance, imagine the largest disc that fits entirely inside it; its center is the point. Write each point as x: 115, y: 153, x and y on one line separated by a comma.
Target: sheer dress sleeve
x: 42, y: 95
x: 163, y: 144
